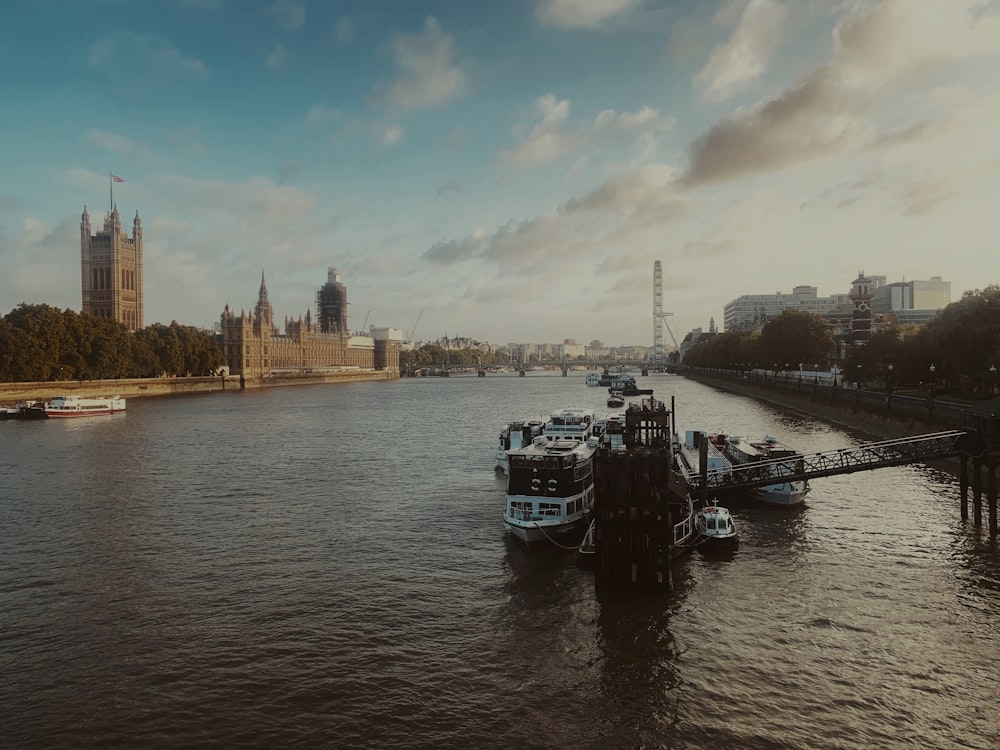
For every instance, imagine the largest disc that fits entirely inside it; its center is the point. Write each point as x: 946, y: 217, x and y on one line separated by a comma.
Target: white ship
x: 77, y: 406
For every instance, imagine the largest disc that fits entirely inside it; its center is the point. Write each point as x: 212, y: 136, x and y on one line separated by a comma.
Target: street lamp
x: 859, y: 377
x: 932, y: 370
x: 889, y: 383
x: 800, y: 372
x: 993, y: 378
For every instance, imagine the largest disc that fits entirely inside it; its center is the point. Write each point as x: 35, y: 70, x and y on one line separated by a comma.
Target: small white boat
x: 593, y: 379
x: 77, y: 406
x: 715, y: 525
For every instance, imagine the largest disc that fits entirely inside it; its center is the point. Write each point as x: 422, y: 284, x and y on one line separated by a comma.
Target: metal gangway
x: 865, y: 457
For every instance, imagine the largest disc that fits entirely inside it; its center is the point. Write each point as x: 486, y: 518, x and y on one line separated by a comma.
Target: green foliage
x: 790, y: 339
x: 40, y: 343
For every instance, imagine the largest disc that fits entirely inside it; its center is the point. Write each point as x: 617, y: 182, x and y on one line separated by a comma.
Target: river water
x: 325, y: 566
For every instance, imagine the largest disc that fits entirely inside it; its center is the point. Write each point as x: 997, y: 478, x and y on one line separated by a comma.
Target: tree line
x: 42, y: 343
x: 435, y: 355
x: 956, y: 349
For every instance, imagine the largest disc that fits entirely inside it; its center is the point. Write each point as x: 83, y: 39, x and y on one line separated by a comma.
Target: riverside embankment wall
x: 142, y: 387
x: 877, y: 414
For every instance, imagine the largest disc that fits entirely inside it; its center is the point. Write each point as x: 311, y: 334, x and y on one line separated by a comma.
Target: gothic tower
x: 111, y: 270
x: 331, y: 305
x: 263, y: 312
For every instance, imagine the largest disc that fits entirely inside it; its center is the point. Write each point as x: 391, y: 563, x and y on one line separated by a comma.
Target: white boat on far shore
x: 78, y: 406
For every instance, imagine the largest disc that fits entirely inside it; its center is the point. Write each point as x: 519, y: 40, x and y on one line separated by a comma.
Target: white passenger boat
x: 593, y: 379
x: 550, y: 482
x: 513, y: 436
x: 715, y: 526
x: 77, y: 406
x: 741, y: 451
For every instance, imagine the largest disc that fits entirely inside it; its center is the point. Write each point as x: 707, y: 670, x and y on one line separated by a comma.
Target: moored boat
x: 616, y: 400
x: 515, y: 435
x: 740, y: 451
x: 78, y: 406
x: 24, y: 410
x: 550, y: 481
x: 715, y: 526
x: 593, y: 379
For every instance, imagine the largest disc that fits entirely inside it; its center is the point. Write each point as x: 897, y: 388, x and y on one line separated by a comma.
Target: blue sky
x: 513, y: 169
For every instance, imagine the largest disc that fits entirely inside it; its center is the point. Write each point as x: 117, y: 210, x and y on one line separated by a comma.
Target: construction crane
x: 409, y: 336
x: 364, y: 326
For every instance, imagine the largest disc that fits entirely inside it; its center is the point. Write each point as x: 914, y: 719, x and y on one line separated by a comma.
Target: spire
x: 263, y: 288
x: 85, y: 215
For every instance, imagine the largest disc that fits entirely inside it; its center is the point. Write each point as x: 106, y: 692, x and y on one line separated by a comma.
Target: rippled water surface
x: 325, y: 567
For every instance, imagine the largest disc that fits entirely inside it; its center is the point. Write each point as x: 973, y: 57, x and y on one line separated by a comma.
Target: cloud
x: 427, y: 73
x: 36, y: 252
x: 290, y: 13
x: 319, y: 116
x: 588, y: 14
x: 118, y: 144
x: 344, y: 31
x: 877, y: 53
x: 453, y: 251
x: 744, y: 57
x: 548, y: 140
x: 920, y: 197
x: 143, y: 54
x: 633, y: 203
x: 556, y: 135
x: 205, y: 4
x: 275, y: 58
x: 390, y: 135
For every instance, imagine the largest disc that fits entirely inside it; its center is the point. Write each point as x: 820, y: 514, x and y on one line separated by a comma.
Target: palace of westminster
x: 252, y: 345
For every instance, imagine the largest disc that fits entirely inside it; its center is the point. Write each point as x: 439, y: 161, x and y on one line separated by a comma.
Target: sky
x: 503, y: 171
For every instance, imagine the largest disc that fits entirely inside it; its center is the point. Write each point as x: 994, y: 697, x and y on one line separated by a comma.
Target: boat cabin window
x: 710, y: 523
x: 550, y: 509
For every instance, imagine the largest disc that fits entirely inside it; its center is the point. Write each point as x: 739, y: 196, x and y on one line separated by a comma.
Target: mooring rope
x: 545, y: 534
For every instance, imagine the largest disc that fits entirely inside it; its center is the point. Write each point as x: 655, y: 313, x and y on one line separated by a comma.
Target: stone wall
x: 141, y: 387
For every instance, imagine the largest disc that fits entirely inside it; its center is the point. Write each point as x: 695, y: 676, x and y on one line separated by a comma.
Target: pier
x: 641, y: 492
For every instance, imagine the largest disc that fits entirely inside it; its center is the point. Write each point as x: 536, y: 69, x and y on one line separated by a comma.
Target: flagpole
x: 111, y: 193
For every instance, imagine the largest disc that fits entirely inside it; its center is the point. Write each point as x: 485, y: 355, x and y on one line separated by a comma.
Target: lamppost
x: 993, y: 378
x: 932, y: 369
x: 800, y: 373
x: 816, y: 373
x: 888, y: 383
x: 859, y: 377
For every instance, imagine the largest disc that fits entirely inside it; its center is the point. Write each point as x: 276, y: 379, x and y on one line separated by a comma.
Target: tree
x: 963, y: 339
x: 794, y: 337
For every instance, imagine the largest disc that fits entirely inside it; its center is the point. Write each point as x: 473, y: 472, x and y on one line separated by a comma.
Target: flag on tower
x: 116, y: 178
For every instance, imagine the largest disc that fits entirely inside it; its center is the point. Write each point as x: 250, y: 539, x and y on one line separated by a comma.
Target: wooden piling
x: 633, y: 529
x: 991, y: 495
x: 963, y: 484
x: 977, y: 492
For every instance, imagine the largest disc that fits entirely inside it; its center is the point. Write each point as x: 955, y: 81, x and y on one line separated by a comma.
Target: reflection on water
x: 326, y: 567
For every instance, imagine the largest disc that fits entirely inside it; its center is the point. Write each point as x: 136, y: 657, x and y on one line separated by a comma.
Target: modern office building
x: 752, y: 311
x: 931, y: 295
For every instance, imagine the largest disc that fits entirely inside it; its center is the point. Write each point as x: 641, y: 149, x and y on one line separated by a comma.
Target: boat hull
x: 533, y: 532
x: 787, y: 495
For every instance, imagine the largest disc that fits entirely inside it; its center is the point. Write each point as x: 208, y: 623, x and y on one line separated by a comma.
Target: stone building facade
x: 111, y: 270
x: 253, y: 346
